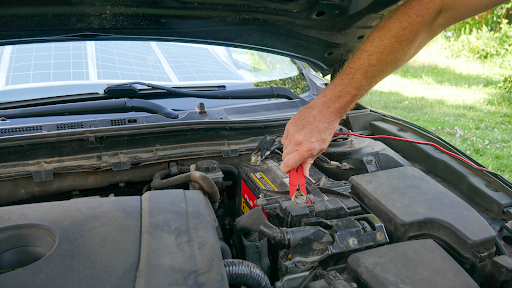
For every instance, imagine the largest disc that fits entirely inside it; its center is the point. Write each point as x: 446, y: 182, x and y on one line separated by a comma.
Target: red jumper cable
x: 297, y: 179
x: 417, y: 142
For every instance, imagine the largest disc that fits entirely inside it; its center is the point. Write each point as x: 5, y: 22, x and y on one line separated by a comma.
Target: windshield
x: 82, y: 67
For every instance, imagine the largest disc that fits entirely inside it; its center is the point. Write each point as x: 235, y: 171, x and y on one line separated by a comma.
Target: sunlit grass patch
x: 455, y: 98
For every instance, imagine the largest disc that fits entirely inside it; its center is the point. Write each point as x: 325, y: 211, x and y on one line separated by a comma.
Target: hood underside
x: 323, y: 33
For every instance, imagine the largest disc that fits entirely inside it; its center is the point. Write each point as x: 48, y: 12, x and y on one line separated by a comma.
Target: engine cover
x: 412, y: 205
x: 419, y: 264
x: 165, y: 238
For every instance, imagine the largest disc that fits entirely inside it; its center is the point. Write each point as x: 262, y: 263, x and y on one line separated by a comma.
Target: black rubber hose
x: 164, y: 173
x: 183, y: 169
x: 66, y: 182
x: 228, y: 169
x: 206, y: 183
x: 160, y: 174
x: 241, y: 272
x: 225, y: 251
x: 255, y: 221
x: 146, y: 189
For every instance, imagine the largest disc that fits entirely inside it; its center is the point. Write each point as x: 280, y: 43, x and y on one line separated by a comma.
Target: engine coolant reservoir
x: 210, y: 168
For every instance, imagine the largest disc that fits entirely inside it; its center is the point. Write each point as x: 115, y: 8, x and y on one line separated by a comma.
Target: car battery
x: 265, y: 185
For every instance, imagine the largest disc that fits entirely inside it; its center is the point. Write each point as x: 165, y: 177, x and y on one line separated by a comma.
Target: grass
x: 457, y: 99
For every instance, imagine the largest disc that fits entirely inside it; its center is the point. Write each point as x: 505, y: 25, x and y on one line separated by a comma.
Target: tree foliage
x: 491, y: 20
x: 486, y: 37
x: 484, y: 44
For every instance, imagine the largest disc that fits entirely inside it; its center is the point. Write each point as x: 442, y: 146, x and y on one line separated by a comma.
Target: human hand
x: 308, y: 134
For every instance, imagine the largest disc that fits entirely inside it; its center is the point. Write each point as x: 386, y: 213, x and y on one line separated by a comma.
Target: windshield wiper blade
x: 270, y: 92
x: 160, y: 92
x: 91, y: 107
x: 83, y: 97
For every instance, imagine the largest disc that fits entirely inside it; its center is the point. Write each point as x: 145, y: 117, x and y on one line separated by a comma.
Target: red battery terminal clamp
x: 297, y: 180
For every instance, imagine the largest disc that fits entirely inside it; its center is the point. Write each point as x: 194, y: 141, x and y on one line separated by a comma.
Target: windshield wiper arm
x: 91, y: 107
x: 269, y: 92
x: 128, y: 90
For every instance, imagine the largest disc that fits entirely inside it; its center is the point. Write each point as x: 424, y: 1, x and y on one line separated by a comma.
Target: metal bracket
x: 44, y: 174
x: 93, y: 141
x: 506, y: 226
x: 480, y: 255
x: 118, y: 163
x: 230, y: 152
x: 334, y: 279
x: 370, y: 164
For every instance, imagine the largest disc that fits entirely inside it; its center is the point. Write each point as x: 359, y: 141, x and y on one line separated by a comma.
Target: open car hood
x: 323, y: 33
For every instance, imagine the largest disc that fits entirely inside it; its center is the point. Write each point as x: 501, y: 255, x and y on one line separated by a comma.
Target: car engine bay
x: 371, y: 218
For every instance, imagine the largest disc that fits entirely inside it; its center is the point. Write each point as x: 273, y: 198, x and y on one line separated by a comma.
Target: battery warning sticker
x: 248, y: 199
x: 244, y: 206
x: 248, y: 196
x: 263, y: 181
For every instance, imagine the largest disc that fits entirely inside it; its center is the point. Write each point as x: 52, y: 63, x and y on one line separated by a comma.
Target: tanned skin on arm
x: 394, y: 42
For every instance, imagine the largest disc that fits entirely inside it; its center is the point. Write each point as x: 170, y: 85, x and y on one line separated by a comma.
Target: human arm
x: 394, y: 42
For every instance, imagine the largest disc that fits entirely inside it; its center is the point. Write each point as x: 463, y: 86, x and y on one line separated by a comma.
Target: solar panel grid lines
x: 112, y: 60
x: 195, y: 63
x: 47, y: 62
x: 166, y: 66
x: 128, y: 60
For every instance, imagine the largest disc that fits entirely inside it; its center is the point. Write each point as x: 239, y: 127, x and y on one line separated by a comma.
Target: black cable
x: 310, y: 276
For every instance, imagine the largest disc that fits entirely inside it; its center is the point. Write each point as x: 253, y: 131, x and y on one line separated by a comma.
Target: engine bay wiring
x: 417, y: 142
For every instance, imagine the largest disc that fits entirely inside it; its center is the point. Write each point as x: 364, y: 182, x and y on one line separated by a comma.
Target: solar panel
x: 128, y: 60
x: 47, y: 62
x: 195, y: 63
x: 117, y: 60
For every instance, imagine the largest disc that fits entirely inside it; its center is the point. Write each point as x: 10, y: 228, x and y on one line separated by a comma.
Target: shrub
x: 490, y: 20
x: 487, y: 36
x: 484, y: 44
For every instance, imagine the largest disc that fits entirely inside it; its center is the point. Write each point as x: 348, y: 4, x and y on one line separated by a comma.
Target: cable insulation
x: 417, y: 142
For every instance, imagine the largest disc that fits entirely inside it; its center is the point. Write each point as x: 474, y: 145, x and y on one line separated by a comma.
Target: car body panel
x: 323, y: 33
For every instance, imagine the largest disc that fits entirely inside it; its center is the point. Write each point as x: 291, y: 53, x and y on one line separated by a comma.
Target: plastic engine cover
x: 165, y: 238
x: 412, y: 205
x: 179, y: 243
x: 412, y: 264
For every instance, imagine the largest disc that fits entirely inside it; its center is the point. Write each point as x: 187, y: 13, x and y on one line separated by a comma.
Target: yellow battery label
x: 244, y: 206
x: 263, y: 181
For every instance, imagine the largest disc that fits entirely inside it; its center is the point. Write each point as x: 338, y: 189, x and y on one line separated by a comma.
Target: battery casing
x: 265, y: 182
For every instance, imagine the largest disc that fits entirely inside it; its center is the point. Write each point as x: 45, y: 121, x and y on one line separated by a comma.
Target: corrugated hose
x: 241, y: 272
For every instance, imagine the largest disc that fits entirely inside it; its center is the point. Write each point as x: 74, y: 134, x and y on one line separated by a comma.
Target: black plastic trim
x: 91, y: 107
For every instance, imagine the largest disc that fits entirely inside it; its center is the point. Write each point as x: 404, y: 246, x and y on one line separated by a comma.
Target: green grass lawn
x: 455, y: 98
